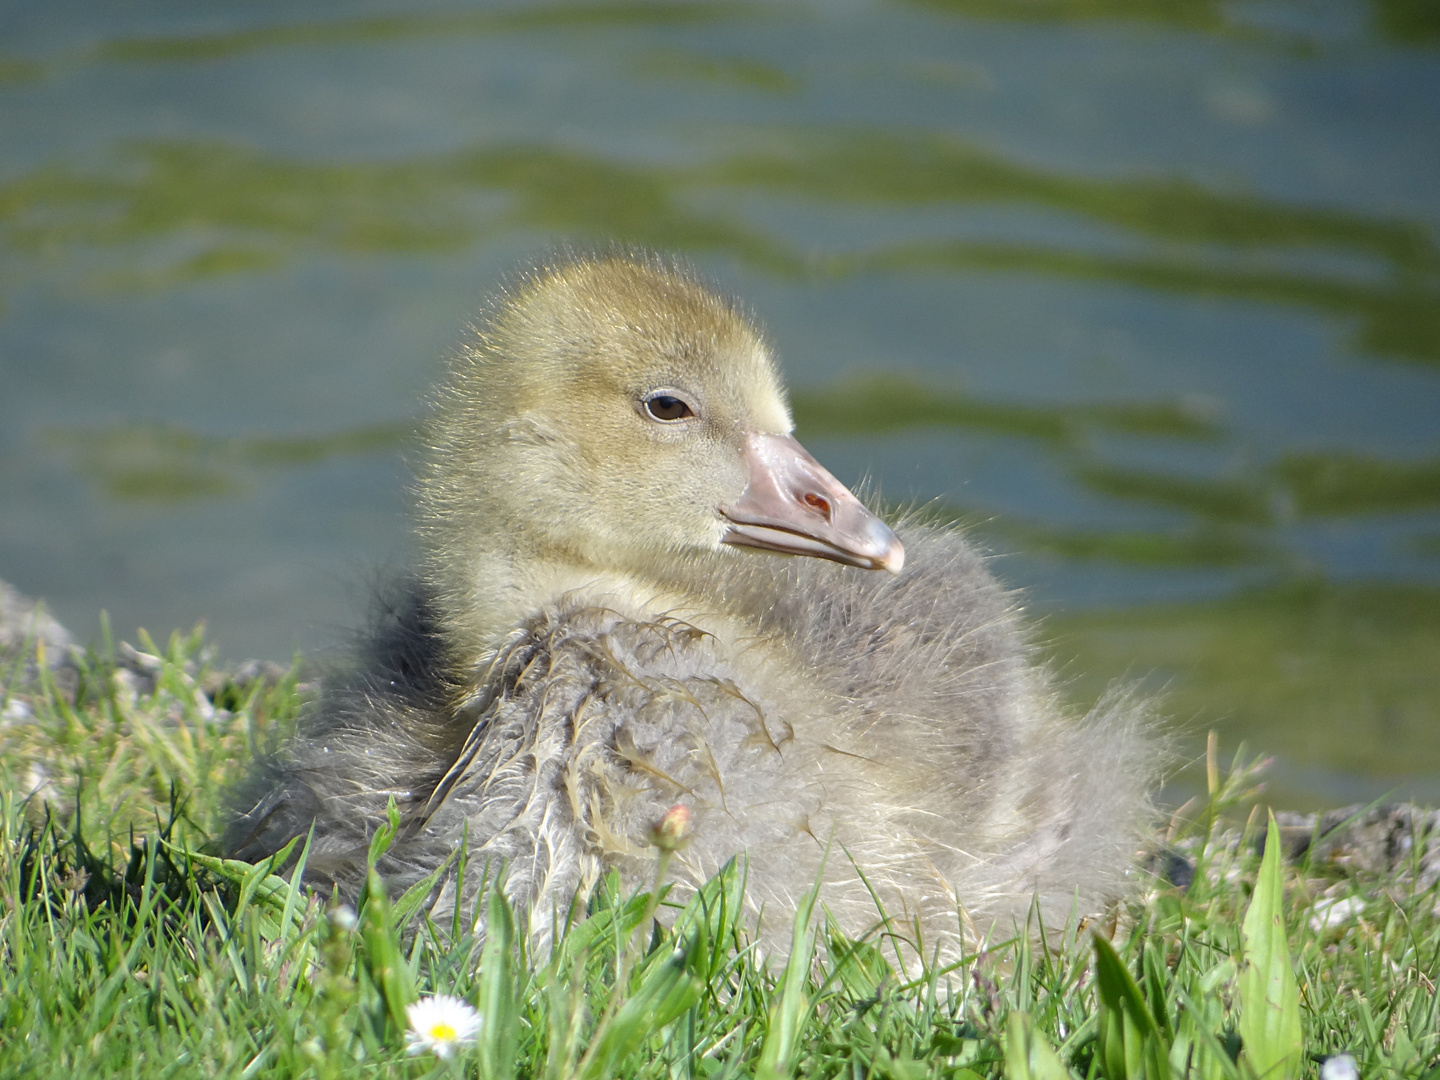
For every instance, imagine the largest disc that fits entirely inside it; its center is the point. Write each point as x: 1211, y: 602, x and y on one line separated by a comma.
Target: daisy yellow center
x: 442, y: 1032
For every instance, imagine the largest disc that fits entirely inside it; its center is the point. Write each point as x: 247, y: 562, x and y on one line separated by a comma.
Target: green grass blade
x: 1028, y: 1056
x: 387, y: 966
x: 255, y: 880
x: 714, y: 911
x: 1268, y: 991
x: 667, y: 990
x: 787, y: 1015
x: 499, y: 1003
x: 1131, y: 1042
x: 384, y: 834
x: 860, y: 967
x: 411, y: 900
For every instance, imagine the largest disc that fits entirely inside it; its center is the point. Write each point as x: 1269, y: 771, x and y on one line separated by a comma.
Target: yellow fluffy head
x: 597, y: 420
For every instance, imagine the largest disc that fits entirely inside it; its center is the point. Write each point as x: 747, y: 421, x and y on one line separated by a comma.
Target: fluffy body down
x: 940, y: 766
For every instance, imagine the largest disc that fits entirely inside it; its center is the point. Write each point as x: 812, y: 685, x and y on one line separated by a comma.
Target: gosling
x: 637, y: 590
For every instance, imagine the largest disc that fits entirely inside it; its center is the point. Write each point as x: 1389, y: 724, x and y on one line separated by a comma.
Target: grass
x: 127, y: 948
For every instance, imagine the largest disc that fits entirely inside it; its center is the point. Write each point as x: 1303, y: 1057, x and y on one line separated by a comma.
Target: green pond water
x: 1147, y: 292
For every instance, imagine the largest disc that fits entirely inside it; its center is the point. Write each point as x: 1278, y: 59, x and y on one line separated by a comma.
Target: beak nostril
x: 818, y: 503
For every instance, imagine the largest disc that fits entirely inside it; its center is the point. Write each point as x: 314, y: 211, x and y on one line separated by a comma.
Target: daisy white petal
x: 441, y: 1024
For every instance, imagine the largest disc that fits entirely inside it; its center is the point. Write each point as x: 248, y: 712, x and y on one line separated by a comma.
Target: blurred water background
x: 1146, y: 291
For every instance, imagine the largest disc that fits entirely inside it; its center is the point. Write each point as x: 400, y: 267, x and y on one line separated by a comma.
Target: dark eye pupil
x: 665, y: 407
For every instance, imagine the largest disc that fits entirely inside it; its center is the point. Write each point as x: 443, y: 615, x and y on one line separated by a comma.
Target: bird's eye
x: 667, y: 407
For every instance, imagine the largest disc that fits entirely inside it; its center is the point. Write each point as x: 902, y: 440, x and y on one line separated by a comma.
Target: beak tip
x: 892, y: 558
x: 888, y: 551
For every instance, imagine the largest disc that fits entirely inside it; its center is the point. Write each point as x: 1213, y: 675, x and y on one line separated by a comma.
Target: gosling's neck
x: 497, y: 586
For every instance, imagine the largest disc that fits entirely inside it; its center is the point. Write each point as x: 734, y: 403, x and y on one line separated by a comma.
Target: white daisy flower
x: 441, y: 1024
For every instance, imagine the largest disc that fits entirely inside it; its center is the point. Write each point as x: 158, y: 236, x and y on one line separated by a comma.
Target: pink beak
x: 794, y: 506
